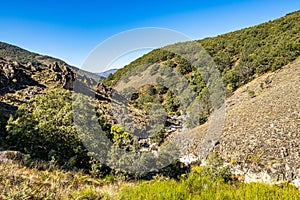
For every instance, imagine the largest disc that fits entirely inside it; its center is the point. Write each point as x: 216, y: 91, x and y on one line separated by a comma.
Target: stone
x: 55, y: 67
x: 10, y: 156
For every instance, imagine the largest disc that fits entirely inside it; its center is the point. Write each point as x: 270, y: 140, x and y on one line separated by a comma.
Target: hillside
x: 261, y: 135
x: 260, y: 68
x: 107, y: 73
x: 262, y: 132
x: 241, y: 55
x: 22, y: 81
x: 260, y: 139
x: 262, y: 116
x: 13, y: 53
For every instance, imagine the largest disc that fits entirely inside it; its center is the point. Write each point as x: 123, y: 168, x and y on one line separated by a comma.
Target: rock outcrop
x: 19, y: 82
x: 64, y: 75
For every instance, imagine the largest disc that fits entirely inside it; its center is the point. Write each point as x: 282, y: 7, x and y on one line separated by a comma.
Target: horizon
x: 72, y: 32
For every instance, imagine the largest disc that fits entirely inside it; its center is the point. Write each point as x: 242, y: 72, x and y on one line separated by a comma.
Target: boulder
x: 55, y: 67
x: 10, y: 156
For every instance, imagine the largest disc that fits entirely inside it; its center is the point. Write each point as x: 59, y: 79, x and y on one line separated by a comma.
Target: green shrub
x: 120, y: 137
x: 215, y: 169
x: 44, y: 128
x: 251, y: 93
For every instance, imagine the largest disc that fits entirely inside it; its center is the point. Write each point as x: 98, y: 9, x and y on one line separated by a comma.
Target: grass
x: 197, y: 187
x: 20, y: 182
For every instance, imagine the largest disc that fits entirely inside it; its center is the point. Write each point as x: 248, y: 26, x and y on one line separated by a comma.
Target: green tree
x: 44, y: 128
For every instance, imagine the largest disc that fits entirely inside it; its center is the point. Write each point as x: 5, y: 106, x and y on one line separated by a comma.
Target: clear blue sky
x: 71, y: 29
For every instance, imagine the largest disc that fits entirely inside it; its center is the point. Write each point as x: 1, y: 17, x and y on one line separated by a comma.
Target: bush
x: 44, y: 128
x: 120, y: 137
x: 251, y: 93
x: 215, y: 169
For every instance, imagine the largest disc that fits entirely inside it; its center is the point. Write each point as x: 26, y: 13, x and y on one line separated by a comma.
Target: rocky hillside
x: 262, y: 133
x: 261, y: 136
x: 21, y: 81
x: 240, y: 55
x: 260, y: 140
x: 13, y: 53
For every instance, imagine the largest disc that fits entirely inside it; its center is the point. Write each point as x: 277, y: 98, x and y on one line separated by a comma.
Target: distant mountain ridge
x: 105, y: 74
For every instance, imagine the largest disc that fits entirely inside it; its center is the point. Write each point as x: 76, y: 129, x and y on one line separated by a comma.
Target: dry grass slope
x: 20, y: 182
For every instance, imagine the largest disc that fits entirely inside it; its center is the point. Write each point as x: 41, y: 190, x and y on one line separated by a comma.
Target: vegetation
x: 196, y: 186
x: 39, y: 182
x: 239, y: 55
x: 242, y: 54
x: 251, y: 93
x: 21, y: 182
x: 3, y: 122
x: 212, y: 181
x: 44, y: 128
x: 120, y: 137
x: 155, y: 56
x: 144, y: 98
x: 14, y: 53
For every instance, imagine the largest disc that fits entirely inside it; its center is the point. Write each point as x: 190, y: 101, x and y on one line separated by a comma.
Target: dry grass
x: 20, y: 182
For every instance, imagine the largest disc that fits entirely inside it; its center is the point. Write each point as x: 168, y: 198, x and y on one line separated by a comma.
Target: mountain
x: 22, y: 56
x: 259, y: 68
x: 240, y: 55
x: 260, y: 140
x: 105, y: 74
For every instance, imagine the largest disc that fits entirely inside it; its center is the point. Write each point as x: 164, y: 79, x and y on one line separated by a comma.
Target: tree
x: 44, y: 128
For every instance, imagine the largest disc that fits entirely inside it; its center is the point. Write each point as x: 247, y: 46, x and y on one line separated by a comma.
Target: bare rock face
x: 9, y: 71
x: 14, y: 77
x: 64, y: 75
x: 3, y: 80
x: 19, y: 82
x: 68, y: 78
x: 55, y: 67
x: 104, y: 90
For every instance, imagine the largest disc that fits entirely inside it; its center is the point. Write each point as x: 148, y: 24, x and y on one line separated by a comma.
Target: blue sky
x: 70, y: 30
